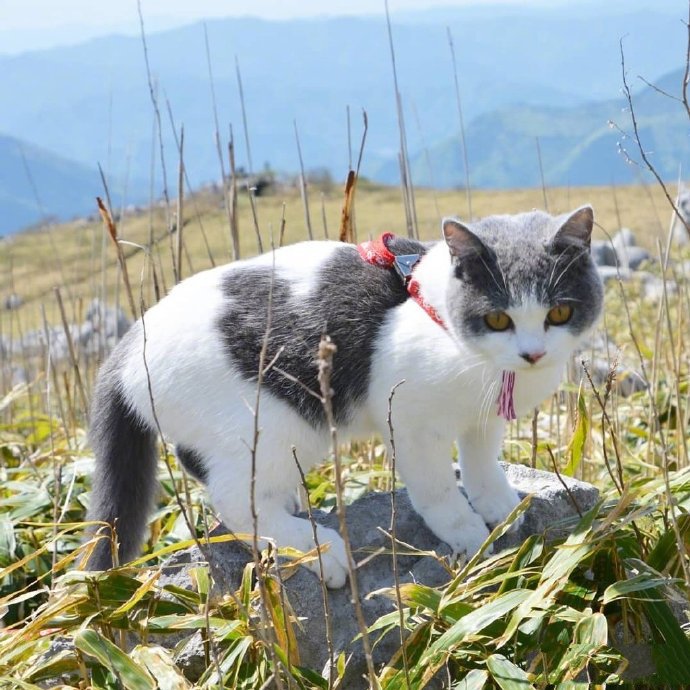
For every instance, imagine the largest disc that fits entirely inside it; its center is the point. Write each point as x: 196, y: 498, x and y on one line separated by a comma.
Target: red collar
x: 376, y: 252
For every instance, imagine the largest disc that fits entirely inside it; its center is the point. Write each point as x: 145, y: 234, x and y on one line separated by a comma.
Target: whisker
x: 567, y: 268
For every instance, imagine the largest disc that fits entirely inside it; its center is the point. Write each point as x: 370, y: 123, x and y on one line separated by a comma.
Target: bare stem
x: 394, y: 539
x: 327, y: 349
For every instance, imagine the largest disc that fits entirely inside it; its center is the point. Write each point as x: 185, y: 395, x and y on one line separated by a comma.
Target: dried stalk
x: 394, y: 539
x: 468, y: 189
x: 303, y: 185
x: 322, y: 579
x: 325, y: 360
x: 405, y: 173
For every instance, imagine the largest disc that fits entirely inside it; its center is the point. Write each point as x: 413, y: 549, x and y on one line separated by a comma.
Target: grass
x: 73, y: 255
x: 542, y: 615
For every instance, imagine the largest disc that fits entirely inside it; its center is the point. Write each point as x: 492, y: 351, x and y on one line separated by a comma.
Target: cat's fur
x: 196, y: 354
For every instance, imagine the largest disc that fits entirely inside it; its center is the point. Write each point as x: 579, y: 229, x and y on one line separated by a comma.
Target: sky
x: 34, y: 24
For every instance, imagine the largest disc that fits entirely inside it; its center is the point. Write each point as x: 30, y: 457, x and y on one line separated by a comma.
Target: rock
x: 623, y: 238
x: 191, y: 659
x: 608, y: 273
x: 627, y: 255
x: 627, y: 381
x: 679, y: 230
x: 634, y: 257
x: 653, y: 287
x: 603, y: 253
x: 368, y: 520
x: 13, y: 301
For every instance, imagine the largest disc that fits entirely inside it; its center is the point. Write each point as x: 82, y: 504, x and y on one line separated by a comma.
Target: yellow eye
x: 498, y: 321
x: 559, y: 314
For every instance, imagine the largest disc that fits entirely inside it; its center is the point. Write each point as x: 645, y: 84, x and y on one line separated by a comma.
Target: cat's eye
x: 498, y: 321
x: 559, y: 314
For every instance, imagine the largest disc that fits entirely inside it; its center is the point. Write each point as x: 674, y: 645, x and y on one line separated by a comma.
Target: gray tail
x: 124, y: 481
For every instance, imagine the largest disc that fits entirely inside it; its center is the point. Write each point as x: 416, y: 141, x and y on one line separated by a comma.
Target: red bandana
x: 376, y: 252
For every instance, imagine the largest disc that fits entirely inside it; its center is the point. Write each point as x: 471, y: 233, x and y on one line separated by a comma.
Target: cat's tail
x: 124, y: 481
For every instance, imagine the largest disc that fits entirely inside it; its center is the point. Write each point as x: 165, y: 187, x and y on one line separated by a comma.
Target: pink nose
x: 532, y: 357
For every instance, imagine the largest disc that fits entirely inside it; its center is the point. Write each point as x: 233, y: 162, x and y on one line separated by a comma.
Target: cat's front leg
x: 424, y: 465
x: 485, y: 482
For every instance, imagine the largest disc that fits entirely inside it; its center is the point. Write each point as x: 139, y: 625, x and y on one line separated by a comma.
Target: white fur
x: 449, y: 394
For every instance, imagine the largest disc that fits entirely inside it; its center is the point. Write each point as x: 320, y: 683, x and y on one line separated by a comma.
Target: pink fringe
x: 506, y: 409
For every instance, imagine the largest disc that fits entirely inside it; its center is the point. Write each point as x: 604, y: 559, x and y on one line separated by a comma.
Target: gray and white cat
x: 509, y: 293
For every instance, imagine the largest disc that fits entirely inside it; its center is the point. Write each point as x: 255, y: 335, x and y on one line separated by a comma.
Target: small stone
x: 603, y: 253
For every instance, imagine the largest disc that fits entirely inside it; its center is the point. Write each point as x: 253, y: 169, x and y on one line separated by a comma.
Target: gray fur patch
x: 193, y: 463
x: 522, y: 261
x: 349, y: 303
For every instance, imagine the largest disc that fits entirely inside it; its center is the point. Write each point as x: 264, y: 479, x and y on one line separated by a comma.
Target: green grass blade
x: 111, y: 657
x: 507, y: 675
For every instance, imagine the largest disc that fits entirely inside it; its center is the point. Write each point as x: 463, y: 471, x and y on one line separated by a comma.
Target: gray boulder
x: 603, y: 253
x: 368, y: 519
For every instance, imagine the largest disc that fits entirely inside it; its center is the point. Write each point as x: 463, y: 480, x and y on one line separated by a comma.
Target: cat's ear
x: 577, y: 229
x: 460, y: 239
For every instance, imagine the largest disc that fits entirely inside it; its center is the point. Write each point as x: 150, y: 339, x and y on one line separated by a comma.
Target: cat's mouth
x: 528, y: 365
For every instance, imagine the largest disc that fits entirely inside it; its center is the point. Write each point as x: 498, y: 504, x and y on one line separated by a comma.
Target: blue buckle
x: 404, y: 265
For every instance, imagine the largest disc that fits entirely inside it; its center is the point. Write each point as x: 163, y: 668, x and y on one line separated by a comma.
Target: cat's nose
x: 532, y: 357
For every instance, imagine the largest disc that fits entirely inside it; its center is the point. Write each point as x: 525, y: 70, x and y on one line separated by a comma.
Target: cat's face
x: 525, y: 290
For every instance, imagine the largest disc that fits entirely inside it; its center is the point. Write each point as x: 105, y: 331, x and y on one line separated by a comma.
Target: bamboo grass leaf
x: 507, y: 675
x: 129, y: 673
x: 158, y: 662
x: 474, y: 680
x: 577, y: 443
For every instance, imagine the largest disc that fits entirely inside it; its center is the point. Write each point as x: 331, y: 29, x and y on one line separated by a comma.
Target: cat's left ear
x: 460, y: 239
x: 577, y: 229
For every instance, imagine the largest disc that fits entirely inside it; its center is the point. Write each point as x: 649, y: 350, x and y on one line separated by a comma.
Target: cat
x: 509, y: 293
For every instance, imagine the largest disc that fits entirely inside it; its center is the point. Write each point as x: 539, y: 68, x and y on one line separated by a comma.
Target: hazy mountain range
x: 549, y: 72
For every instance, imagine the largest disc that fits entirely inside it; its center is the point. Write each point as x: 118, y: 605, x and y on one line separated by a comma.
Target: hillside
x: 36, y: 183
x: 310, y: 71
x: 579, y: 145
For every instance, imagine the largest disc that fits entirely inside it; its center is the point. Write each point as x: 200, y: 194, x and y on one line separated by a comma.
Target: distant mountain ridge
x: 590, y: 144
x: 35, y: 184
x: 90, y: 103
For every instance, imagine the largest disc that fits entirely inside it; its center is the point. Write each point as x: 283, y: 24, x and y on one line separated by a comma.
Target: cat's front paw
x: 465, y: 535
x: 333, y: 559
x: 495, y: 506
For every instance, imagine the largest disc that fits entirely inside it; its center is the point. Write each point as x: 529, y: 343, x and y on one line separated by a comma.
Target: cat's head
x: 524, y: 290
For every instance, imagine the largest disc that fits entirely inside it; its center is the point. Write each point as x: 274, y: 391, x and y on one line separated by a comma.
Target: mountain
x: 91, y: 102
x: 590, y: 144
x: 36, y: 184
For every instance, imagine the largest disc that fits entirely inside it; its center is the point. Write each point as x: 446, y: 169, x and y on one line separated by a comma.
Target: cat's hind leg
x: 276, y: 482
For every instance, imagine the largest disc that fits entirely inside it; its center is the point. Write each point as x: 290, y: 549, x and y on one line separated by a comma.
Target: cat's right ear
x: 461, y: 241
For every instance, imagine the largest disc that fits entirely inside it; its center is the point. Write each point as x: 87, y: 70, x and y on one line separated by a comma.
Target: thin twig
x: 71, y: 350
x: 394, y: 539
x: 322, y: 579
x: 468, y: 188
x: 303, y: 185
x: 265, y: 603
x: 245, y: 126
x: 405, y: 173
x: 562, y: 481
x: 327, y: 350
x: 541, y: 175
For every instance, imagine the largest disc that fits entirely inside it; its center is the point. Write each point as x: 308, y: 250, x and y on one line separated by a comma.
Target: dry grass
x: 72, y: 255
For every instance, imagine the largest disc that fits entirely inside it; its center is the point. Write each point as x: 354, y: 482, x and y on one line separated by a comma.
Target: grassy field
x: 78, y: 258
x: 542, y: 616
